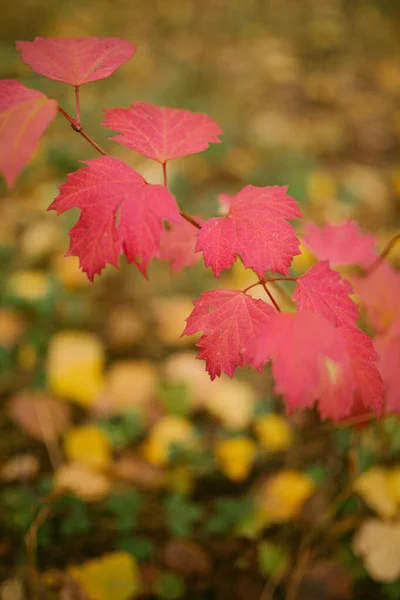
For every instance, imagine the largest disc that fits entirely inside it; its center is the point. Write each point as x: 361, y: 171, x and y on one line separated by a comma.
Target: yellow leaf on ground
x: 75, y: 365
x: 232, y: 402
x: 374, y: 488
x: 169, y: 430
x: 83, y: 482
x: 170, y: 315
x: 235, y: 457
x: 68, y: 271
x: 29, y: 285
x: 129, y: 385
x: 282, y: 497
x: 273, y: 432
x: 113, y: 576
x: 378, y: 543
x: 11, y: 327
x: 88, y: 445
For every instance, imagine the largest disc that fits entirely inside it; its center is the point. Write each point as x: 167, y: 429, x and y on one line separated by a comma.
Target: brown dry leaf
x: 183, y: 367
x: 129, y: 384
x: 138, y: 472
x: 11, y: 327
x: 75, y: 363
x: 378, y: 543
x: 375, y: 489
x: 39, y: 415
x: 12, y: 589
x: 88, y: 445
x: 187, y: 558
x: 86, y: 484
x: 231, y: 401
x: 123, y: 328
x: 24, y: 466
x: 170, y: 315
x: 325, y: 580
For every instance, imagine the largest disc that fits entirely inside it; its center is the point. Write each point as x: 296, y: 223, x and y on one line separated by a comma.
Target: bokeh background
x: 178, y: 488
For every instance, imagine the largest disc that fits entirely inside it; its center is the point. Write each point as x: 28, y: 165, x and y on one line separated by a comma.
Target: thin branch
x: 76, y: 127
x: 270, y: 296
x: 164, y: 169
x: 189, y: 218
x: 78, y: 106
x: 372, y: 267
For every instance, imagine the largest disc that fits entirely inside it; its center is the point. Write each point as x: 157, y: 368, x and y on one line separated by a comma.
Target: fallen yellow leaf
x: 29, y: 285
x: 235, y: 457
x: 169, y: 430
x: 378, y: 543
x: 88, y: 445
x: 232, y: 402
x: 282, y: 496
x: 375, y: 489
x: 113, y: 576
x: 273, y: 432
x: 83, y: 482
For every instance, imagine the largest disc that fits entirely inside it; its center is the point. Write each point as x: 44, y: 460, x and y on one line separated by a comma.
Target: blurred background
x: 124, y: 472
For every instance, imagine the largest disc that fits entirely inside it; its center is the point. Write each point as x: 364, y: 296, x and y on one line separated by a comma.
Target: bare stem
x: 164, y: 169
x: 270, y: 296
x: 78, y: 106
x: 372, y: 267
x: 83, y: 133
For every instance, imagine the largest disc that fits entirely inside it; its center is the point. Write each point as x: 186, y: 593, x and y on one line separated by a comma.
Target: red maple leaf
x: 24, y: 116
x: 106, y: 188
x: 354, y: 379
x: 388, y: 349
x: 256, y: 227
x: 162, y: 133
x: 323, y: 291
x: 76, y: 60
x: 379, y: 293
x: 178, y: 245
x: 298, y: 345
x: 341, y: 243
x: 231, y: 321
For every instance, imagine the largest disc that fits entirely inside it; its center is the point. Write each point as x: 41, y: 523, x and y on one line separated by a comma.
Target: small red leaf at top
x: 24, y: 116
x: 298, y: 345
x: 379, y: 293
x: 323, y: 291
x: 256, y: 227
x: 230, y: 321
x: 162, y: 133
x: 178, y: 245
x: 341, y: 243
x: 105, y: 188
x: 76, y: 60
x: 353, y: 379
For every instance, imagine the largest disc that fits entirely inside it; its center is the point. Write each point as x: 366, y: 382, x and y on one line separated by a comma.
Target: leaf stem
x: 373, y: 266
x: 164, y: 169
x: 270, y: 296
x: 78, y: 106
x: 76, y: 127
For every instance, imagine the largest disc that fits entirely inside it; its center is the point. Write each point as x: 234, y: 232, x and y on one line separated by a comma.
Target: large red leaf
x: 341, y: 243
x: 323, y: 291
x: 230, y: 321
x: 178, y: 245
x: 102, y: 190
x: 379, y: 293
x: 298, y: 345
x: 76, y: 60
x: 24, y: 116
x: 162, y: 133
x: 256, y: 227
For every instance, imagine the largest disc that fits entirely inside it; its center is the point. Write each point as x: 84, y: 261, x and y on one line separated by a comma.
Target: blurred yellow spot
x: 232, y: 402
x: 321, y: 187
x: 29, y: 285
x: 75, y: 365
x: 282, y: 497
x: 379, y: 490
x: 11, y: 327
x: 68, y: 271
x: 333, y: 370
x: 113, y: 576
x: 235, y: 457
x: 302, y: 262
x: 168, y: 431
x: 89, y: 445
x: 273, y: 432
x: 393, y: 481
x: 83, y: 482
x: 170, y: 315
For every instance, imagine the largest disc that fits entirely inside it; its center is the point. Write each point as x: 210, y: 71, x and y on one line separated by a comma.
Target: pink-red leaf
x: 102, y: 190
x: 24, y: 116
x: 162, y: 133
x: 76, y: 60
x: 388, y: 349
x: 256, y: 227
x: 341, y: 243
x: 178, y: 245
x: 323, y: 291
x: 379, y: 293
x: 230, y: 321
x: 298, y: 345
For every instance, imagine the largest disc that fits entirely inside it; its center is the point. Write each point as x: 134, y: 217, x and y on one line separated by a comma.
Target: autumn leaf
x: 107, y: 191
x: 88, y: 445
x: 24, y: 116
x: 378, y: 543
x: 235, y: 457
x: 282, y: 496
x: 168, y: 431
x: 76, y: 60
x: 178, y: 245
x: 273, y: 432
x: 324, y: 292
x: 162, y: 133
x: 341, y: 243
x: 230, y: 321
x: 255, y: 227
